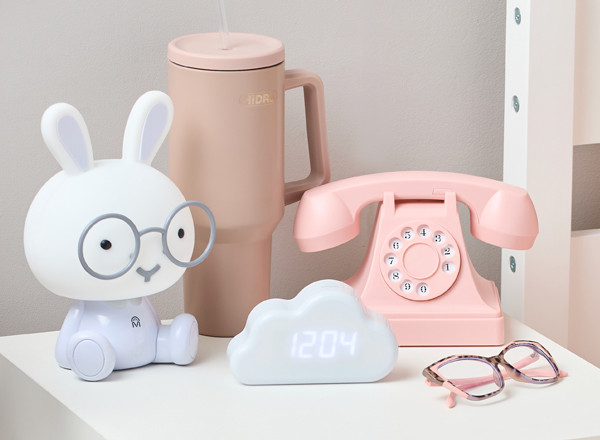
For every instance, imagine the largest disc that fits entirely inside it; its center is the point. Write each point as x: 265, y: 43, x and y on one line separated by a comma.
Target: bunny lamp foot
x: 178, y: 343
x: 90, y: 355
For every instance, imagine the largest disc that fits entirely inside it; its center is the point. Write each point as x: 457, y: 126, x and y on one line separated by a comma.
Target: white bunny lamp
x: 108, y: 233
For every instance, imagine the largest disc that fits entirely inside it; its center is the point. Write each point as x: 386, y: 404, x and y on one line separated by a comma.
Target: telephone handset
x: 417, y: 271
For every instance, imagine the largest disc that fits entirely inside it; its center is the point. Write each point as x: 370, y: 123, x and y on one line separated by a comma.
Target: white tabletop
x: 203, y: 400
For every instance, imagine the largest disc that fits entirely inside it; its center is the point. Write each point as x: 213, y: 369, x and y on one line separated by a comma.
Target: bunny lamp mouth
x: 147, y: 274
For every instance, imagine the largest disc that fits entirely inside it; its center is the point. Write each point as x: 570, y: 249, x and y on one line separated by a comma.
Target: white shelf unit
x: 552, y: 105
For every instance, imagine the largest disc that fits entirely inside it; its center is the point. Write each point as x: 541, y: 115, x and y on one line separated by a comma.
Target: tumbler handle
x: 316, y: 130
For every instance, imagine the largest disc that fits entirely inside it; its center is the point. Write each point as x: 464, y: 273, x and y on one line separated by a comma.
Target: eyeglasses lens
x: 475, y: 377
x: 180, y: 233
x: 531, y: 362
x: 109, y: 246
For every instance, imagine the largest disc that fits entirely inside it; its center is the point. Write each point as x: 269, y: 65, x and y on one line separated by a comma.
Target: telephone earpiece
x: 507, y: 220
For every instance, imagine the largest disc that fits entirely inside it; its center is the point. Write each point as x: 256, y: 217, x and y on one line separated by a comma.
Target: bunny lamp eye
x: 108, y: 246
x: 179, y: 235
x: 178, y: 239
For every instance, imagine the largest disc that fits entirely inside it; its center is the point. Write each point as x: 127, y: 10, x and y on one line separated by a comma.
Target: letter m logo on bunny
x: 109, y: 233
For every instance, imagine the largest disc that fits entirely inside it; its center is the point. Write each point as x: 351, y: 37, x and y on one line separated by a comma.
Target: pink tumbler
x: 226, y: 148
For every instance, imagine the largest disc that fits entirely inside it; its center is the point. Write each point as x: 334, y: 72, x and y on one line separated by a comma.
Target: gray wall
x: 409, y: 85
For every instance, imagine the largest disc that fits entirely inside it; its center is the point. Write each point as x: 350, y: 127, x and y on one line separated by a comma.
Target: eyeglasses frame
x: 137, y: 237
x: 434, y: 378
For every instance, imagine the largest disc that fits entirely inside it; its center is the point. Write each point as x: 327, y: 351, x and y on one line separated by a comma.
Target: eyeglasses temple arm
x: 466, y: 383
x: 544, y: 372
x: 451, y: 400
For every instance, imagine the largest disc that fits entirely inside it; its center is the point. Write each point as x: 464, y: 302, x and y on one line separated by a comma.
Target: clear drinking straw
x: 223, y: 29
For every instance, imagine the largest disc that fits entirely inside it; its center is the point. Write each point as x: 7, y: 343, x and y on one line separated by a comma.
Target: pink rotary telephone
x: 417, y: 272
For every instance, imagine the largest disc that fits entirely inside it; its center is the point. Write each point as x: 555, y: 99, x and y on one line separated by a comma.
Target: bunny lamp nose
x: 147, y: 274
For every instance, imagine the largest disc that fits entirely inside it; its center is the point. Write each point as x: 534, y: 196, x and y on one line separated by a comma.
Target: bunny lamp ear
x: 147, y: 126
x: 67, y: 138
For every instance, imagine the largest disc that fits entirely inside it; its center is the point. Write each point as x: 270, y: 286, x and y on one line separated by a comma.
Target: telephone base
x: 460, y: 331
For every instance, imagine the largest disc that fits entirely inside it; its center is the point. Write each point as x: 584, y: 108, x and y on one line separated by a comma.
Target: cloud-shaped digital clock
x: 323, y: 335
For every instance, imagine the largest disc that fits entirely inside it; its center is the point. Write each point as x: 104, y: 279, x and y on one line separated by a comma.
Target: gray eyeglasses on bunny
x: 132, y: 256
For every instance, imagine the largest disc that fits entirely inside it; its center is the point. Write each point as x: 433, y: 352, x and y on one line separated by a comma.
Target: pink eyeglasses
x: 478, y: 378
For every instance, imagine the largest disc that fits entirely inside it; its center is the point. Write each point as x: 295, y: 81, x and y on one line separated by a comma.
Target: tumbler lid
x: 245, y: 52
